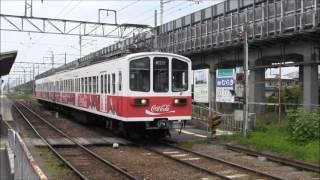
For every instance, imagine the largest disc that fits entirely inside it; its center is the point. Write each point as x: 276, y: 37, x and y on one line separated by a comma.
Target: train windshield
x: 160, y: 74
x: 140, y: 75
x: 179, y: 75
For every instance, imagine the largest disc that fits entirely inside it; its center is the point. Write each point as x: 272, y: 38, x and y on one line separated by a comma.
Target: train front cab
x: 159, y: 91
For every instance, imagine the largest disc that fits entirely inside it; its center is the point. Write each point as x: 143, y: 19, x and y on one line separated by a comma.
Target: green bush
x: 303, y: 126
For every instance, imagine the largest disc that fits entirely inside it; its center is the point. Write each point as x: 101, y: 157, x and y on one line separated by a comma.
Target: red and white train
x: 146, y: 90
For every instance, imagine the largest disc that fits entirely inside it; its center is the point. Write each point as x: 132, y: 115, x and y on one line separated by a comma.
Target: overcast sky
x: 37, y: 47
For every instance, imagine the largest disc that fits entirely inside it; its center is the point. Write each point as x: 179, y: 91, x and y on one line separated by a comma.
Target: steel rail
x: 82, y: 176
x: 274, y: 158
x: 223, y: 161
x: 189, y: 164
x: 121, y: 171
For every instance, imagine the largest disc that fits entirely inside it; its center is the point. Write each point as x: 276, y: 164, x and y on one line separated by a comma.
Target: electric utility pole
x: 246, y: 75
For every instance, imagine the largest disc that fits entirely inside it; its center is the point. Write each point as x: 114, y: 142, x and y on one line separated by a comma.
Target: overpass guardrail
x: 263, y: 21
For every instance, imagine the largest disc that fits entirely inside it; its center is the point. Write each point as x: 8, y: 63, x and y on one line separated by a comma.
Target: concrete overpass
x: 278, y: 30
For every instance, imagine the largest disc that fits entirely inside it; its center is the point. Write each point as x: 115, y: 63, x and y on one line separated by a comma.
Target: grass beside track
x: 275, y: 138
x: 54, y: 167
x: 22, y: 96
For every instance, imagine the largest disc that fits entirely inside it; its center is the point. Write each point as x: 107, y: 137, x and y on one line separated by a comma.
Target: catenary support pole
x: 246, y: 88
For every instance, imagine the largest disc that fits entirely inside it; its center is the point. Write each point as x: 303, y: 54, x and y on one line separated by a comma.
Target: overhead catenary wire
x: 121, y: 9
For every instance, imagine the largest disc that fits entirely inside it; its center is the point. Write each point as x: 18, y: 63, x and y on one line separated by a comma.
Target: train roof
x: 155, y: 54
x: 127, y: 56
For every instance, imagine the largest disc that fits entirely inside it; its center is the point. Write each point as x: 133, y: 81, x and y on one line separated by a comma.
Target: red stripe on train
x: 124, y: 105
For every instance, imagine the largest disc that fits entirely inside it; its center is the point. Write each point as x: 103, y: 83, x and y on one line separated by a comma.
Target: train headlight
x: 180, y: 101
x: 144, y: 101
x: 141, y: 102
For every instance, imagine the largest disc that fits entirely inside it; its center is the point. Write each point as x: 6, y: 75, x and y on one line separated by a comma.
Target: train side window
x: 108, y: 83
x: 82, y: 83
x: 94, y: 84
x: 105, y: 84
x: 113, y: 83
x: 89, y: 84
x: 72, y: 85
x: 97, y: 83
x: 101, y: 84
x: 120, y: 81
x: 86, y: 84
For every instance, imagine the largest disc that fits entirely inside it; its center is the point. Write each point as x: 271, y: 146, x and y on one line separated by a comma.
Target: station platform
x: 5, y: 171
x: 6, y: 108
x: 5, y: 115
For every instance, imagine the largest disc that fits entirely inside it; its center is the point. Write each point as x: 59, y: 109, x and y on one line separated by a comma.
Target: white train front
x: 152, y: 88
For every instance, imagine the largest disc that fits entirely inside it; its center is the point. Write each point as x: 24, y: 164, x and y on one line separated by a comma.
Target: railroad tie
x: 179, y: 155
x: 170, y: 152
x: 190, y: 159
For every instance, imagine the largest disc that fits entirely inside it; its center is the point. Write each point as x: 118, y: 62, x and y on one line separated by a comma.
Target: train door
x: 119, y: 92
x: 102, y: 93
x: 113, y: 94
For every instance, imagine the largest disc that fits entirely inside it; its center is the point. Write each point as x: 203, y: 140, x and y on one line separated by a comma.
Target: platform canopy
x: 6, y: 61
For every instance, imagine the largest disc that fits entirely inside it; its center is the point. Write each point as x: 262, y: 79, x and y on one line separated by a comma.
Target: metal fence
x: 25, y: 166
x: 228, y: 121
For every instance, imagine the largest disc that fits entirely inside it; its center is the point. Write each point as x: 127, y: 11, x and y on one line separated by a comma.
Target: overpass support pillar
x: 256, y: 90
x: 310, y: 84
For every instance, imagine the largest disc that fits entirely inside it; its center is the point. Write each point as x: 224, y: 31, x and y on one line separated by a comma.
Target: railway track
x: 79, y: 160
x: 293, y: 163
x: 85, y: 163
x: 214, y: 166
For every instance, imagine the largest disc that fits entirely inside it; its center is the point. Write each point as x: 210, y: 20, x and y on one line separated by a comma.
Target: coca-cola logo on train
x: 159, y: 109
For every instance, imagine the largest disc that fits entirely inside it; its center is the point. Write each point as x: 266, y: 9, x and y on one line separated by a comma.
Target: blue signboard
x: 225, y: 82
